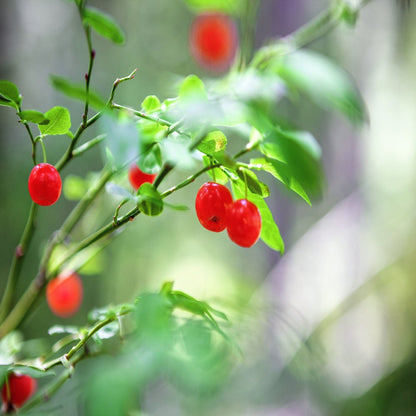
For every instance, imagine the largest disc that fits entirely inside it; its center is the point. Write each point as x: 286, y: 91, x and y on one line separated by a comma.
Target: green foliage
x: 103, y: 24
x: 252, y: 182
x: 59, y: 122
x: 214, y: 141
x: 74, y: 187
x: 77, y: 91
x: 150, y: 201
x: 192, y: 88
x: 33, y: 116
x: 151, y: 103
x: 9, y: 94
x: 323, y: 81
x: 234, y: 7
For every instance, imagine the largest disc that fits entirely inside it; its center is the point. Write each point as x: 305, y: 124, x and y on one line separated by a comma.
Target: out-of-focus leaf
x: 192, y: 88
x: 233, y: 7
x: 59, y: 121
x: 77, y: 91
x: 117, y: 190
x: 326, y: 83
x: 63, y: 329
x: 151, y: 103
x: 103, y: 24
x: 74, y: 187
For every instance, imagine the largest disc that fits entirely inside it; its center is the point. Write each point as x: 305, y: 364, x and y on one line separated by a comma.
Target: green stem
x: 45, y: 159
x: 17, y: 262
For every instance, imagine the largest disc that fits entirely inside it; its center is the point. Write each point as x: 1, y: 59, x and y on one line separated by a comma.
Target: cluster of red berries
x: 213, y: 41
x: 18, y: 389
x: 216, y: 211
x: 44, y: 184
x: 64, y: 294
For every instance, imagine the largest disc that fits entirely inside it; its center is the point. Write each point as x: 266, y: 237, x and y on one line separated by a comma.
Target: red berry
x: 212, y: 204
x: 244, y: 223
x: 64, y: 295
x: 137, y: 177
x: 21, y: 387
x: 213, y: 41
x: 45, y: 184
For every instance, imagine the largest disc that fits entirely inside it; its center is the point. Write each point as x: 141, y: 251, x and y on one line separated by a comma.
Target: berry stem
x: 45, y: 160
x: 17, y: 262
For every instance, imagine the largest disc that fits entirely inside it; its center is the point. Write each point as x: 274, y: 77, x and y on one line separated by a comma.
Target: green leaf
x: 150, y: 201
x: 234, y: 7
x: 151, y: 103
x: 255, y: 186
x: 281, y: 172
x: 216, y: 174
x: 30, y: 371
x: 59, y: 121
x: 301, y: 153
x: 78, y: 92
x: 74, y: 187
x: 9, y: 94
x: 192, y: 88
x: 33, y: 116
x: 326, y: 83
x: 103, y: 24
x: 213, y: 142
x: 270, y: 233
x: 150, y: 157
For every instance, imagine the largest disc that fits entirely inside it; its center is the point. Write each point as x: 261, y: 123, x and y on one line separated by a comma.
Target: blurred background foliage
x: 326, y: 329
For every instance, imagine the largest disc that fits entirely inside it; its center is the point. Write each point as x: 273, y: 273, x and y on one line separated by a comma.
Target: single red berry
x: 20, y: 388
x: 244, y: 223
x: 213, y: 41
x: 44, y: 184
x: 212, y: 203
x: 64, y: 295
x: 137, y: 177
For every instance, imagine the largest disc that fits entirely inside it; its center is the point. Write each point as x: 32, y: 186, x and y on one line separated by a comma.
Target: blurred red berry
x: 64, y: 295
x: 213, y: 41
x: 137, y: 177
x: 20, y: 388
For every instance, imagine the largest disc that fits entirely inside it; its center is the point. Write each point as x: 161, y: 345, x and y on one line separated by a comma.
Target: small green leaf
x: 30, y: 371
x: 176, y: 207
x: 74, y: 187
x: 150, y: 201
x: 9, y: 94
x: 270, y: 233
x: 77, y: 91
x: 59, y: 122
x: 326, y: 83
x: 255, y: 186
x: 151, y: 103
x: 33, y: 116
x: 192, y: 88
x: 150, y: 157
x: 281, y: 172
x: 103, y: 24
x: 213, y: 142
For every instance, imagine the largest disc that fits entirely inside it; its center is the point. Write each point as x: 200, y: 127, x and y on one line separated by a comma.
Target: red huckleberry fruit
x: 137, y: 177
x: 212, y: 203
x: 44, y: 184
x: 244, y: 223
x: 213, y: 41
x: 21, y: 387
x: 64, y: 295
